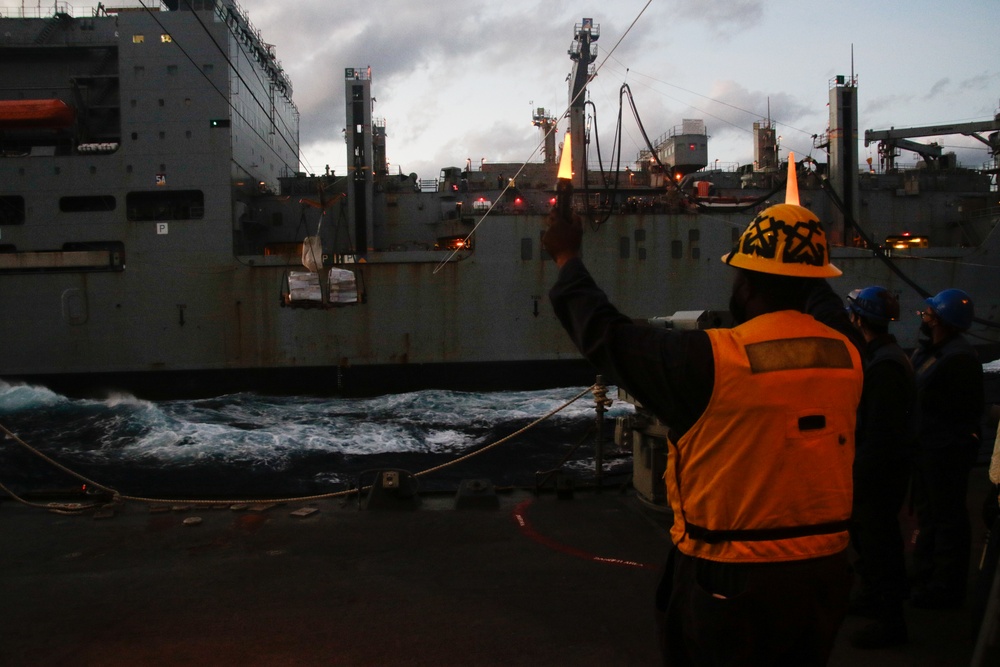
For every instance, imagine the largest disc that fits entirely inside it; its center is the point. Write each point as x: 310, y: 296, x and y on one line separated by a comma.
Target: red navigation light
x: 691, y: 147
x: 517, y: 201
x: 553, y: 201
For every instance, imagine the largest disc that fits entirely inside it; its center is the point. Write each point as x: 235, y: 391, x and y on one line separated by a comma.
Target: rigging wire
x: 118, y: 497
x: 222, y: 94
x: 880, y: 253
x: 256, y: 72
x: 625, y: 91
x: 541, y: 143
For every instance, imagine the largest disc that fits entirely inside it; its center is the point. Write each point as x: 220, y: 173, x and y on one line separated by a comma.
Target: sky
x: 459, y: 80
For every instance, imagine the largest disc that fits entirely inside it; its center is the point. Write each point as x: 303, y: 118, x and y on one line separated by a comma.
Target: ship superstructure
x: 157, y: 235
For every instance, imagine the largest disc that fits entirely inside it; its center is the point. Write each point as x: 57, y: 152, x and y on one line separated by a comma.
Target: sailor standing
x: 761, y: 443
x: 886, y: 437
x: 951, y: 398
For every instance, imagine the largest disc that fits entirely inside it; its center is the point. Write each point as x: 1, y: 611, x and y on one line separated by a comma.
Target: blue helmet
x: 953, y: 307
x: 875, y: 304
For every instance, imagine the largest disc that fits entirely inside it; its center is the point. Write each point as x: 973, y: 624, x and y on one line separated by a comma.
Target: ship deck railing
x: 48, y: 10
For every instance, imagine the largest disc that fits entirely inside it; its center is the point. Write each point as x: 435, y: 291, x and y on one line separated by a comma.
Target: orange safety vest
x: 765, y: 474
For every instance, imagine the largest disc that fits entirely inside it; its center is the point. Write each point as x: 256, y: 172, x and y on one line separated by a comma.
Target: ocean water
x: 250, y: 445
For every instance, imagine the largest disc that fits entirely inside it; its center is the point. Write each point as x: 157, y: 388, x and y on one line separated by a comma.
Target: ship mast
x: 583, y: 53
x: 546, y: 122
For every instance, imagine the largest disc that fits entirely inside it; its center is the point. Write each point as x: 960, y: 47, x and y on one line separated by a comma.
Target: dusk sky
x: 459, y: 80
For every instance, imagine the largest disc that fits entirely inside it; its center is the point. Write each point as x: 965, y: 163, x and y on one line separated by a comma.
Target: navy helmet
x: 953, y: 307
x: 875, y: 304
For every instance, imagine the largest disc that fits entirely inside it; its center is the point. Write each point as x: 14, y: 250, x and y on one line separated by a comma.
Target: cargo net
x: 328, y: 288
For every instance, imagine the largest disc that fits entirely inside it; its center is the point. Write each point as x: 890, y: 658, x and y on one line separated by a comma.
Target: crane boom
x: 895, y: 138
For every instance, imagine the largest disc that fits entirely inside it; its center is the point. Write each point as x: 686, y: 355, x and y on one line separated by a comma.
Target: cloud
x: 940, y: 87
x: 723, y: 19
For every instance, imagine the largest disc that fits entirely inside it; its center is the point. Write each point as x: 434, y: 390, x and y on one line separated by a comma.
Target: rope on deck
x: 118, y: 498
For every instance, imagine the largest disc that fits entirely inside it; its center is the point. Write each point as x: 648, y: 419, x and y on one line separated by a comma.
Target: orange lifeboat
x: 35, y: 114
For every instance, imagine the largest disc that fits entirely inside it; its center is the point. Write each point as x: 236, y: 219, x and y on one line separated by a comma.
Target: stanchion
x: 601, y: 404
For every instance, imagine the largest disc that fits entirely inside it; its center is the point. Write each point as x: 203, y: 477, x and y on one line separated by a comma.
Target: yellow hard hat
x: 786, y: 240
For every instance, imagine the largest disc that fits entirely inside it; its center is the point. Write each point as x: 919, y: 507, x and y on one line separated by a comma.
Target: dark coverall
x: 885, y: 440
x: 672, y: 374
x: 951, y: 397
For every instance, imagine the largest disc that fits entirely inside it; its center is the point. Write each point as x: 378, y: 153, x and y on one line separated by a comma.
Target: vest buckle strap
x: 764, y: 534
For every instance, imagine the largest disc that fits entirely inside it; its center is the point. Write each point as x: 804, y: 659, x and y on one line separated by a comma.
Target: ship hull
x: 152, y: 244
x: 176, y: 323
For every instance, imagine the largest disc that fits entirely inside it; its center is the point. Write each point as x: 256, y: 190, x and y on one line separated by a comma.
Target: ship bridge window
x: 11, y: 210
x: 904, y: 241
x: 138, y: 39
x: 87, y: 204
x: 453, y: 243
x: 166, y: 39
x: 165, y: 205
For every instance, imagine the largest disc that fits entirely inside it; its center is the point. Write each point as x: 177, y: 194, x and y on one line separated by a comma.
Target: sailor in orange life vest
x: 761, y: 442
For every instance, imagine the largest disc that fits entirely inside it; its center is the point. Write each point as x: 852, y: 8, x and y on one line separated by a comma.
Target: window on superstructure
x: 543, y: 254
x: 165, y: 38
x: 11, y: 210
x: 165, y: 205
x: 138, y: 39
x: 694, y: 235
x: 526, y: 249
x: 624, y: 247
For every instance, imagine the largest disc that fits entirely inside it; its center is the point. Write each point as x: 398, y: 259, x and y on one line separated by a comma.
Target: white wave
x: 479, y: 409
x: 274, y: 432
x: 117, y: 399
x: 19, y: 396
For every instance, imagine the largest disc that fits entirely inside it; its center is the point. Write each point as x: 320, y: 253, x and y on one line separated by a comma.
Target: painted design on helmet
x: 784, y: 239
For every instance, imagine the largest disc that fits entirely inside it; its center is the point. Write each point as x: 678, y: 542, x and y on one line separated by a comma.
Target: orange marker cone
x: 792, y: 184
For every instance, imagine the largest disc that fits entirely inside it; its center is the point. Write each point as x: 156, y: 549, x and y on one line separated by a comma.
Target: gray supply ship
x: 156, y: 234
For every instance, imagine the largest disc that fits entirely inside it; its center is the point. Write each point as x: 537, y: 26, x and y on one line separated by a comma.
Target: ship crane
x: 893, y: 139
x: 583, y: 53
